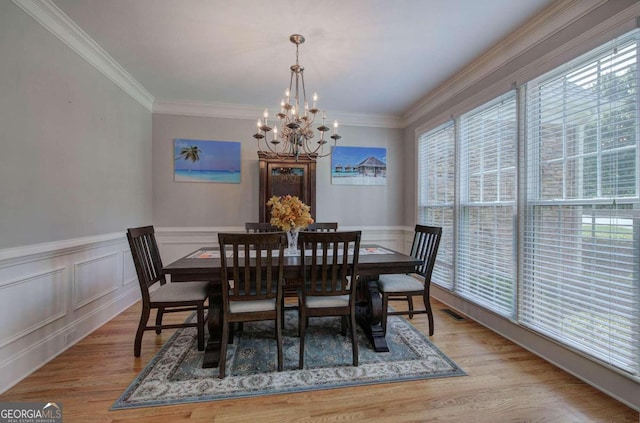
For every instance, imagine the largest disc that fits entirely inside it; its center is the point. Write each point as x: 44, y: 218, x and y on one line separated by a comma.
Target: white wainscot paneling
x: 23, y: 314
x: 175, y: 243
x: 94, y: 279
x: 54, y: 294
x: 128, y: 268
x: 389, y: 237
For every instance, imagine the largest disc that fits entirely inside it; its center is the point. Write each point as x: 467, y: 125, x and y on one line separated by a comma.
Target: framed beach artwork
x: 359, y: 166
x: 206, y: 161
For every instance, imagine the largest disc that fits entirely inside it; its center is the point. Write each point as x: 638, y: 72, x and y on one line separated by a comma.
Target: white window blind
x: 581, y: 247
x: 436, y: 185
x: 486, y: 228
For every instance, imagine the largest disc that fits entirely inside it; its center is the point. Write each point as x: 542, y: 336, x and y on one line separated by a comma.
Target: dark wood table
x: 369, y: 308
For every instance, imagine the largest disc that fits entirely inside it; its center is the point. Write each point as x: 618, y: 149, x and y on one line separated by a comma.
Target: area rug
x: 175, y: 375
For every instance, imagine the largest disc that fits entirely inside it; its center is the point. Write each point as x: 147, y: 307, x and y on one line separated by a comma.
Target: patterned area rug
x: 175, y: 375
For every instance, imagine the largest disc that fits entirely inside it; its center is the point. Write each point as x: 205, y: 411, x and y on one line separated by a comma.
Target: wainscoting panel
x: 94, y: 279
x: 128, y: 268
x: 54, y: 294
x: 31, y: 312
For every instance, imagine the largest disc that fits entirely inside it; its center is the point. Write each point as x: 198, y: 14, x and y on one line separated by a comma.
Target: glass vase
x: 292, y: 240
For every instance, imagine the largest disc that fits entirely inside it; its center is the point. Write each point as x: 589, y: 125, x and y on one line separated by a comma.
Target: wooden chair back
x: 322, y: 227
x: 255, y: 266
x: 330, y: 270
x: 426, y: 241
x: 258, y: 227
x: 146, y: 258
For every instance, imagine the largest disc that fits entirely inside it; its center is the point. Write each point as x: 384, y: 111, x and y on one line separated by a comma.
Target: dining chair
x: 322, y: 227
x: 168, y: 297
x: 257, y: 227
x: 403, y: 287
x: 252, y: 283
x: 329, y: 282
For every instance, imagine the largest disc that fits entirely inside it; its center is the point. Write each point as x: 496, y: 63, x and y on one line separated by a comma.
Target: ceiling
x: 365, y: 57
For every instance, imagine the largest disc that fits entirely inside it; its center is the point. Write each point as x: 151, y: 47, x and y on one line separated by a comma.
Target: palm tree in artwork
x: 190, y: 153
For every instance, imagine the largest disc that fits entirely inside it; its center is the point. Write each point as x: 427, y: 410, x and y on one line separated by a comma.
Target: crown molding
x: 203, y: 109
x: 239, y: 111
x: 47, y: 14
x: 59, y: 24
x: 550, y: 21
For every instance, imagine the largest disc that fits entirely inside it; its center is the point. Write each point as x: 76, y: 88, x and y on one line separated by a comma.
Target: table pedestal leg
x: 369, y: 312
x: 214, y: 324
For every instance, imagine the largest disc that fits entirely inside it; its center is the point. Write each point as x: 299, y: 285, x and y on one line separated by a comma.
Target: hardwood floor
x: 505, y: 383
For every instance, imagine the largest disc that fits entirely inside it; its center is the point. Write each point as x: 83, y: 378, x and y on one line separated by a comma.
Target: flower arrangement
x: 289, y: 213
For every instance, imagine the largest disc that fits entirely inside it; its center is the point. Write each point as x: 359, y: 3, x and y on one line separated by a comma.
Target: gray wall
x: 75, y: 149
x: 196, y: 204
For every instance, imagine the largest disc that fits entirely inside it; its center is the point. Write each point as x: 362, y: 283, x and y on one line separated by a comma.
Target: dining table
x: 204, y: 264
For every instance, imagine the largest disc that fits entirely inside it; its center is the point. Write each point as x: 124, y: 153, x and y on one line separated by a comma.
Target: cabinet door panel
x: 287, y: 175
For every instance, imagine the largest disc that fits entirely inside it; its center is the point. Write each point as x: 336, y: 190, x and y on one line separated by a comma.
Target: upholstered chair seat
x: 399, y: 283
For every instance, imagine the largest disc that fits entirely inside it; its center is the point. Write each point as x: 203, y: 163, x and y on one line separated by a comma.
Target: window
x: 582, y: 233
x: 486, y: 240
x: 436, y: 164
x: 559, y: 250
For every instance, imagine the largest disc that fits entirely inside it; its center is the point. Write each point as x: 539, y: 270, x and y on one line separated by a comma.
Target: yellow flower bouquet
x: 289, y: 213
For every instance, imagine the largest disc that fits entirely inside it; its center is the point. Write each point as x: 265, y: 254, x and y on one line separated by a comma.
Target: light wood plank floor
x: 505, y: 383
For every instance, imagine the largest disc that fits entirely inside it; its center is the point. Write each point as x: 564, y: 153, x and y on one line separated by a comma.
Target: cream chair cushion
x: 399, y: 283
x: 249, y: 306
x: 180, y: 291
x: 328, y: 301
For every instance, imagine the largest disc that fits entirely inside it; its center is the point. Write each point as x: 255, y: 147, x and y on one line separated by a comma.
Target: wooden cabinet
x: 287, y: 175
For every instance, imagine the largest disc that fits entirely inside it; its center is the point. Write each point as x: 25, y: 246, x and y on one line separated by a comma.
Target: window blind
x: 436, y: 195
x: 581, y: 246
x: 486, y: 235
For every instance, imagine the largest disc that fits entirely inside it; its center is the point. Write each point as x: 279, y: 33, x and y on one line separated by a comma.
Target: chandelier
x: 293, y: 132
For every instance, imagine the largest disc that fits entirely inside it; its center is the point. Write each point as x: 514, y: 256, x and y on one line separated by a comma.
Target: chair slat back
x: 255, y: 266
x: 146, y: 258
x: 426, y: 241
x: 322, y: 227
x: 330, y: 270
x: 258, y: 227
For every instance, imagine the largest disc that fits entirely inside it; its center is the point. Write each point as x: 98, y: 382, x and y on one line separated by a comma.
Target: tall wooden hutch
x: 287, y: 174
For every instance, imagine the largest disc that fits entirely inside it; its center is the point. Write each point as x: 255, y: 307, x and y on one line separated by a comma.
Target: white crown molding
x: 374, y: 121
x: 550, y: 21
x: 239, y: 111
x: 203, y: 109
x: 59, y: 24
